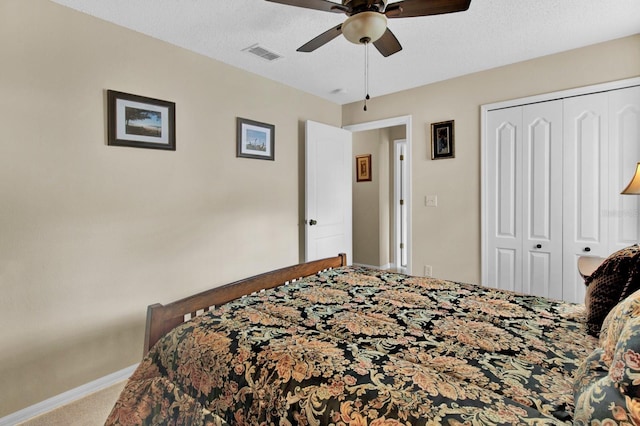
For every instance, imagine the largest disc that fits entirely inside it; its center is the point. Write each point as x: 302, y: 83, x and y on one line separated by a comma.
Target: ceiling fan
x: 367, y: 19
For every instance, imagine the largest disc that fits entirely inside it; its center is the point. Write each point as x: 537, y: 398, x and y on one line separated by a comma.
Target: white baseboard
x: 67, y: 397
x: 382, y: 267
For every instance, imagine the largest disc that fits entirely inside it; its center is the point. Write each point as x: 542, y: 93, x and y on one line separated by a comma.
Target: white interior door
x: 624, y: 154
x: 542, y: 199
x: 504, y: 199
x: 524, y: 199
x: 585, y: 180
x: 328, y: 190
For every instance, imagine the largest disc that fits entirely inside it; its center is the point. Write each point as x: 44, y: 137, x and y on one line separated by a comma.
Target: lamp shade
x: 364, y: 27
x: 634, y: 185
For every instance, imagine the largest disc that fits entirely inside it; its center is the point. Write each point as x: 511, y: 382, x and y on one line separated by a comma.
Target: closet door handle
x: 587, y: 249
x: 538, y: 246
x: 312, y: 222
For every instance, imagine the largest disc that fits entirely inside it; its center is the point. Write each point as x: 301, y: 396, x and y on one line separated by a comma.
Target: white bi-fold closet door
x: 586, y: 185
x: 552, y: 173
x: 602, y: 148
x: 523, y: 197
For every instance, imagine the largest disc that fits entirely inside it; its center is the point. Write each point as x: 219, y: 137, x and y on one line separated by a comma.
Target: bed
x: 324, y: 343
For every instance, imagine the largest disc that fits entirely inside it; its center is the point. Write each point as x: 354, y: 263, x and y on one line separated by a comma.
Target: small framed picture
x: 363, y: 168
x: 255, y: 139
x: 442, y: 140
x: 140, y: 122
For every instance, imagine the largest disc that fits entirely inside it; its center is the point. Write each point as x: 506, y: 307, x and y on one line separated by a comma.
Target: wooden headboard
x: 163, y: 318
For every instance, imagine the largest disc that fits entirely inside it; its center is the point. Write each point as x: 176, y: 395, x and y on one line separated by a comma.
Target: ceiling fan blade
x: 322, y: 39
x: 325, y: 5
x: 410, y: 8
x: 388, y: 44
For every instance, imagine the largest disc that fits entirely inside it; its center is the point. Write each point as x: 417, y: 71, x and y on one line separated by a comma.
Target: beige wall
x: 366, y: 202
x: 448, y: 236
x: 91, y: 234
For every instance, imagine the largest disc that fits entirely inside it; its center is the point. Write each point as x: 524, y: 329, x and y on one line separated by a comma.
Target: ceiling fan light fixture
x: 364, y: 27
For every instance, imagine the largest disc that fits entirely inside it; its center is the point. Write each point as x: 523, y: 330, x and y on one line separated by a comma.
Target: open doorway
x: 382, y: 206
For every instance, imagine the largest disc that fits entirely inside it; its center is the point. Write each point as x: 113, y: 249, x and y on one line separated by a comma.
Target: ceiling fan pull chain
x: 366, y: 73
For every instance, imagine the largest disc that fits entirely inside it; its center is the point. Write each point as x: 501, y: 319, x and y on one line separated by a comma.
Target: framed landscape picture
x: 442, y: 140
x: 255, y: 139
x: 140, y: 122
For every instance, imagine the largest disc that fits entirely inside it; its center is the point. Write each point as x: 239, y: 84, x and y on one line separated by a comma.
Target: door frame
x: 404, y: 120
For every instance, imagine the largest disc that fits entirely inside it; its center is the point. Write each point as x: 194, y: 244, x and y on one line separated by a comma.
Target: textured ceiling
x: 435, y: 48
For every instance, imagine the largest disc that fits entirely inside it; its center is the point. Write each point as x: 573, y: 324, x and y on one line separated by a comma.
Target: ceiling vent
x: 262, y: 52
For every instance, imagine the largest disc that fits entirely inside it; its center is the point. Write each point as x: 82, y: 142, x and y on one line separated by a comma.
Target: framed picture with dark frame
x: 442, y: 140
x: 140, y: 122
x: 363, y: 168
x: 255, y: 139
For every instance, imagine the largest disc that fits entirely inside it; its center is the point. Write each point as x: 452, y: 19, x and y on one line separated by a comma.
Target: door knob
x: 538, y: 245
x: 587, y: 249
x: 312, y: 222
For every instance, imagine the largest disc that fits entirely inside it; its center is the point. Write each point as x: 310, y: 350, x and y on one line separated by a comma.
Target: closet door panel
x: 507, y: 269
x: 504, y: 199
x: 624, y: 150
x: 585, y: 182
x: 542, y: 199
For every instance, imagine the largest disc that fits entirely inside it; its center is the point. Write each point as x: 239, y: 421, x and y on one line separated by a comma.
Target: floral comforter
x: 357, y: 346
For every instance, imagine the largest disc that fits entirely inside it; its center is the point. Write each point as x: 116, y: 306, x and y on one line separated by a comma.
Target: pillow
x: 615, y: 322
x: 615, y: 279
x: 606, y: 386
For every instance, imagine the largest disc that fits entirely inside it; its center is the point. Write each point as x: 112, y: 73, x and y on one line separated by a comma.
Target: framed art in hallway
x: 363, y: 168
x: 140, y: 122
x: 255, y: 139
x: 442, y: 140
